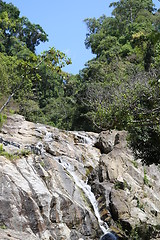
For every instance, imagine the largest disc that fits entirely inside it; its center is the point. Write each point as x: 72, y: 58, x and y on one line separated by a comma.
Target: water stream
x: 79, y: 182
x: 89, y: 194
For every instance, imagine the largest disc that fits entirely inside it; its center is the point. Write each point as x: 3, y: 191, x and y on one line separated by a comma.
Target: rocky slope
x: 57, y: 185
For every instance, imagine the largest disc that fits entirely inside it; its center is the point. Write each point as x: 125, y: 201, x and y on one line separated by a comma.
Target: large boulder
x: 107, y: 140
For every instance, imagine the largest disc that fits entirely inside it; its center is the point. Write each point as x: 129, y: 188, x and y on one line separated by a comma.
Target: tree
x: 120, y: 86
x: 30, y: 79
x: 127, y: 11
x: 13, y: 27
x: 31, y: 34
x: 113, y: 38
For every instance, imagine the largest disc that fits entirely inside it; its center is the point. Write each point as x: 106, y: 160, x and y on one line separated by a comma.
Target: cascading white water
x: 79, y: 182
x: 83, y: 138
x: 87, y: 190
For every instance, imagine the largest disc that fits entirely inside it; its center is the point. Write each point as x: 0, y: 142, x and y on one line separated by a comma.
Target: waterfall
x: 87, y: 190
x: 84, y: 139
x: 89, y: 194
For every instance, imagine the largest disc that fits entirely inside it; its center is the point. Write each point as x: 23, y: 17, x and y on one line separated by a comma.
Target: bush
x: 145, y: 143
x: 2, y: 119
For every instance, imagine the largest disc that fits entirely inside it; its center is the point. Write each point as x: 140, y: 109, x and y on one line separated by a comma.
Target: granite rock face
x: 57, y: 185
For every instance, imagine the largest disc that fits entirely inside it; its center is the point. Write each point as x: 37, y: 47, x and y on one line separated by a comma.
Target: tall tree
x: 115, y: 37
x: 13, y: 27
x: 120, y: 86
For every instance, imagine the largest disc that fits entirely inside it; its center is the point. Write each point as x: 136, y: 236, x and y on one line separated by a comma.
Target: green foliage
x: 23, y: 153
x: 60, y: 112
x: 42, y: 164
x: 9, y: 156
x: 134, y: 234
x: 18, y: 32
x: 31, y: 110
x: 145, y: 179
x: 127, y: 11
x: 145, y: 140
x: 140, y: 205
x: 1, y: 148
x: 135, y: 164
x: 119, y: 88
x: 30, y: 79
x: 119, y: 185
x: 2, y: 119
x: 3, y: 227
x: 142, y: 231
x: 126, y: 34
x: 16, y: 155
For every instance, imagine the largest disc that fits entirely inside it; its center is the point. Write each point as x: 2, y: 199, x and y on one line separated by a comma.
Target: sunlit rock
x: 57, y: 185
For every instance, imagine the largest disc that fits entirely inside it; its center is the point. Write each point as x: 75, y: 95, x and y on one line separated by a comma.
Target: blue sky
x: 62, y: 20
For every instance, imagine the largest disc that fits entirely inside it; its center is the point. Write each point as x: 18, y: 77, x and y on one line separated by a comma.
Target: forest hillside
x: 117, y: 89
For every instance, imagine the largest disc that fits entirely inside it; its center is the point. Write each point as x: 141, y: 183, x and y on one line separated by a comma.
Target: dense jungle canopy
x: 118, y: 89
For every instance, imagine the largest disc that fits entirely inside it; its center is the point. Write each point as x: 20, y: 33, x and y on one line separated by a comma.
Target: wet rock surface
x: 45, y: 181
